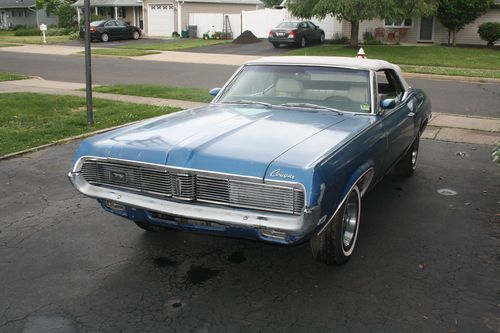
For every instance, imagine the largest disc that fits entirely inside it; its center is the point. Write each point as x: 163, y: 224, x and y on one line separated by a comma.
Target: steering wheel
x: 337, y: 98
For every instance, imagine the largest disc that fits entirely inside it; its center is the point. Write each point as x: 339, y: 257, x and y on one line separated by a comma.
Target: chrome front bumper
x: 296, y: 225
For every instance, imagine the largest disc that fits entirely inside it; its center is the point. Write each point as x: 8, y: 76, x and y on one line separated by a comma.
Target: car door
x: 398, y: 121
x: 315, y: 31
x: 111, y: 29
x: 123, y: 29
x: 304, y: 31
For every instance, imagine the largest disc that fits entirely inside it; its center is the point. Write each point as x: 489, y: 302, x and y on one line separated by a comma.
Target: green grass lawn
x: 434, y: 59
x: 121, y: 53
x: 11, y: 77
x: 6, y: 45
x: 32, y: 39
x: 159, y: 91
x: 28, y: 120
x: 174, y: 45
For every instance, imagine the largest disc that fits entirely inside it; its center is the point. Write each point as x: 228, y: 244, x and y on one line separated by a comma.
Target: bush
x: 27, y: 32
x: 489, y: 32
x: 372, y: 42
x: 67, y: 16
x: 339, y: 39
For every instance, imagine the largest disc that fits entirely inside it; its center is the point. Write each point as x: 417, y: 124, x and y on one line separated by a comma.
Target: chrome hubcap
x: 414, y: 155
x: 350, y: 222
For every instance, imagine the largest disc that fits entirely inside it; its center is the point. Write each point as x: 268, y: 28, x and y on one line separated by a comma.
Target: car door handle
x: 411, y: 114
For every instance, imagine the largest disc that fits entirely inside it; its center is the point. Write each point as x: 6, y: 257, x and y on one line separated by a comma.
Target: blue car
x: 283, y: 154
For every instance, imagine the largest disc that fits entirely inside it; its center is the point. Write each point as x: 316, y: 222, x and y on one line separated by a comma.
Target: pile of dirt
x: 246, y: 37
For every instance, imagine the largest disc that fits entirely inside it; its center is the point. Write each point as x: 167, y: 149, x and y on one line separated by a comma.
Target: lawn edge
x: 63, y: 141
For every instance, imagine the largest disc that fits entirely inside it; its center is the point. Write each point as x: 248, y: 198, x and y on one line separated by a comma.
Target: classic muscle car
x: 284, y: 153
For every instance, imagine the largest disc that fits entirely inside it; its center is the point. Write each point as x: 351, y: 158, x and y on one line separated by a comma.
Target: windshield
x: 288, y: 25
x: 337, y: 88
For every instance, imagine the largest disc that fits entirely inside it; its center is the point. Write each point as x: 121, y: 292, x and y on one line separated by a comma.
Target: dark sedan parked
x: 111, y: 29
x: 296, y: 33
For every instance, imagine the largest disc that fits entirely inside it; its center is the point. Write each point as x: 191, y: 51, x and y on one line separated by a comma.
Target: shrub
x: 372, y: 42
x: 489, y: 32
x: 339, y: 39
x: 27, y: 32
x: 67, y: 16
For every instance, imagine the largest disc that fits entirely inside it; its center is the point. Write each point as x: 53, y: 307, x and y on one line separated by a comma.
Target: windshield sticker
x: 365, y: 107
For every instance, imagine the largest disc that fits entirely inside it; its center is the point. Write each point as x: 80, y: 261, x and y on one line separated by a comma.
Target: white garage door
x: 161, y: 19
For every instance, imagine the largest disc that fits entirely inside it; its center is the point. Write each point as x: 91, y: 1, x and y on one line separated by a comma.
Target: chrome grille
x: 190, y: 186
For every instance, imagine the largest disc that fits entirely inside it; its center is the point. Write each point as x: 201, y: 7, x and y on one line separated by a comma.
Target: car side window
x: 303, y: 25
x: 121, y: 23
x: 389, y: 85
x: 110, y: 24
x: 312, y: 25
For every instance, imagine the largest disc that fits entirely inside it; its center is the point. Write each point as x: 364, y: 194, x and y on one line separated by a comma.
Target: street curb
x: 62, y: 141
x: 451, y: 78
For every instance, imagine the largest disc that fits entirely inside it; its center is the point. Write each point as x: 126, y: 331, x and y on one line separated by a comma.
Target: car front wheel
x: 105, y: 37
x: 136, y: 35
x: 336, y: 243
x: 408, y: 164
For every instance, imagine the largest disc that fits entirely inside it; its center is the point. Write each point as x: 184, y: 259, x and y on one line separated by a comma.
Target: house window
x: 407, y: 23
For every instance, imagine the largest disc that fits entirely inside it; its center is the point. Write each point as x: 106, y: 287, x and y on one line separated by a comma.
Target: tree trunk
x: 454, y: 42
x: 354, y: 33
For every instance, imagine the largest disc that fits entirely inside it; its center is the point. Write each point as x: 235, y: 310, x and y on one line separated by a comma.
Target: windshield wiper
x: 312, y: 106
x: 245, y: 101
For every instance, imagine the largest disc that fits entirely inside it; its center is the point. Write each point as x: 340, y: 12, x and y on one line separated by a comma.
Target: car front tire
x: 135, y: 35
x: 104, y: 37
x: 335, y: 245
x: 408, y: 164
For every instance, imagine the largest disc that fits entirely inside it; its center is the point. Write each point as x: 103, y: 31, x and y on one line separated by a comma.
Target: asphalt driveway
x: 424, y: 262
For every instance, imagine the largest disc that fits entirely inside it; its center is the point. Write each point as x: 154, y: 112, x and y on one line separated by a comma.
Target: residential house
x: 23, y: 13
x: 160, y: 18
x: 422, y: 29
x: 127, y: 10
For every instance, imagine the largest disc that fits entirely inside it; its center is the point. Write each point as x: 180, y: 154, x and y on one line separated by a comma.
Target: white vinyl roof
x: 230, y: 2
x: 367, y: 64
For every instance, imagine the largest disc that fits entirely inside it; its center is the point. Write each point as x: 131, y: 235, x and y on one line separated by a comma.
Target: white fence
x: 259, y: 22
x: 214, y: 22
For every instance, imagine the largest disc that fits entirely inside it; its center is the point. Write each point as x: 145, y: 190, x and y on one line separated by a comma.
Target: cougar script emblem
x: 278, y: 173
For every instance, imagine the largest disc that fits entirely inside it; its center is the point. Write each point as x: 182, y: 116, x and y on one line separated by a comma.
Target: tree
x: 355, y: 11
x: 271, y: 3
x: 456, y: 14
x: 63, y: 9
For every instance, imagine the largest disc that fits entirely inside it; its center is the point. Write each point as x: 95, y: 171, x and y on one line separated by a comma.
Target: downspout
x: 179, y: 17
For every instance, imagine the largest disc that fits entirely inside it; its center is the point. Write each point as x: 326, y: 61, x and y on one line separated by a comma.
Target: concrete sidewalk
x: 442, y: 127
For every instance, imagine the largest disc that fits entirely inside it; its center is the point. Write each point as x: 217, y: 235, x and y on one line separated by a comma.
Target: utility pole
x: 88, y: 65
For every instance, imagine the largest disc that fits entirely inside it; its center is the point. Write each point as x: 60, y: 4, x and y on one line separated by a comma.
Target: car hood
x: 219, y: 138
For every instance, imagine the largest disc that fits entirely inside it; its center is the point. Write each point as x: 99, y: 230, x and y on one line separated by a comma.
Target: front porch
x: 130, y: 11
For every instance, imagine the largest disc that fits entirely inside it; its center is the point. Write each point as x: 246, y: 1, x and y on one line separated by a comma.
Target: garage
x: 161, y: 19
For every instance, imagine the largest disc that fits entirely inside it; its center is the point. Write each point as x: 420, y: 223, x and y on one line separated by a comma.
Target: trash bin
x: 185, y: 34
x: 193, y: 31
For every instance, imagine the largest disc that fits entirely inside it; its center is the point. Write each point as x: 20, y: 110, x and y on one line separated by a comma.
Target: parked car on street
x: 107, y: 30
x: 283, y: 154
x: 296, y: 33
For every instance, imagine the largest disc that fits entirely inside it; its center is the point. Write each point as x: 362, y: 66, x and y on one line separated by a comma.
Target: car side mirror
x: 388, y: 103
x: 214, y: 91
